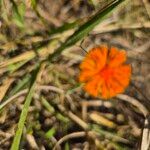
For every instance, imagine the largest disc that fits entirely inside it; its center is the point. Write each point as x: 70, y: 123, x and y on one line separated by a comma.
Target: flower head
x: 104, y: 72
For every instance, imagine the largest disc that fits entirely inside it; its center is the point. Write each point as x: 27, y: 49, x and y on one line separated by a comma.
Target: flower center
x: 106, y: 73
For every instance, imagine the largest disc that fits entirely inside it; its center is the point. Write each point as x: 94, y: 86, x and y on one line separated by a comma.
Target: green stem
x: 17, y: 138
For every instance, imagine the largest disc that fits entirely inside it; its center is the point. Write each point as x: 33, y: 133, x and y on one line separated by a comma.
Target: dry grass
x: 62, y: 115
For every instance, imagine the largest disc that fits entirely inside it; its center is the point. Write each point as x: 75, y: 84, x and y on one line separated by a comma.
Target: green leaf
x: 83, y: 30
x: 47, y: 105
x: 13, y: 67
x: 64, y: 27
x: 18, y: 13
x: 21, y: 84
x: 50, y: 133
x: 62, y: 118
x: 51, y: 109
x: 17, y: 138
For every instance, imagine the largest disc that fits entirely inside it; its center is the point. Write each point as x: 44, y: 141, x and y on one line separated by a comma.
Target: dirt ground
x: 61, y: 110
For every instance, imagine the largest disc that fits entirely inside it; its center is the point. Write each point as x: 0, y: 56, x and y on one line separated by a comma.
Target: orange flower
x: 104, y: 72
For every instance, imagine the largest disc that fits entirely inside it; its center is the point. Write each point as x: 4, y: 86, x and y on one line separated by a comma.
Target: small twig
x: 110, y: 28
x: 73, y: 117
x: 70, y: 100
x: 140, y: 91
x: 97, y: 103
x: 41, y: 87
x: 70, y: 136
x: 13, y: 97
x: 134, y: 102
x: 31, y: 140
x: 145, y: 144
x: 54, y: 141
x: 82, y: 47
x: 78, y: 120
x: 84, y: 112
x: 50, y: 88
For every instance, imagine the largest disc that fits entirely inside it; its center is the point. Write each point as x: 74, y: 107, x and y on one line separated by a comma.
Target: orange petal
x: 110, y: 85
x: 99, y: 56
x: 105, y: 91
x: 122, y: 75
x: 123, y: 71
x: 88, y: 64
x: 93, y: 86
x: 86, y: 75
x: 115, y: 87
x: 116, y: 57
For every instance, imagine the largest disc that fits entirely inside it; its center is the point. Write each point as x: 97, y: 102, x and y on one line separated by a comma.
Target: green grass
x: 23, y: 116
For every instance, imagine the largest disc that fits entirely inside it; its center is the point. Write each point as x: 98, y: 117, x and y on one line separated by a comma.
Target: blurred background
x: 60, y: 110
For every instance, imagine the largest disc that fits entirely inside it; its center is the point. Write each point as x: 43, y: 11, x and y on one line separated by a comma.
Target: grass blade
x: 17, y: 138
x: 18, y: 13
x: 65, y: 27
x: 50, y: 133
x: 86, y: 27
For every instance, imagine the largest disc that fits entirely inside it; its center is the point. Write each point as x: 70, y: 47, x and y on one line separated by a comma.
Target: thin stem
x: 134, y: 102
x: 70, y: 136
